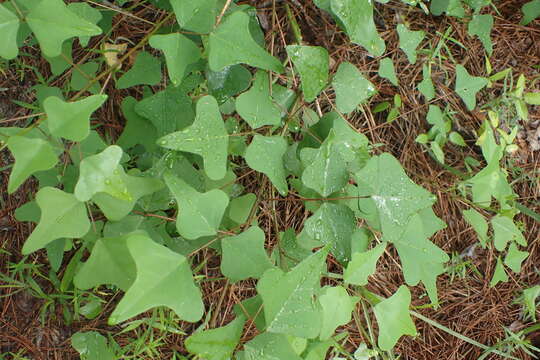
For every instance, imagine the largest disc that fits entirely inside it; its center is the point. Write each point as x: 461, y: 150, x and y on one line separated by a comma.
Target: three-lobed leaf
x: 351, y: 87
x: 312, y: 64
x: 467, y: 86
x: 62, y: 216
x: 206, y: 137
x: 256, y: 106
x: 265, y: 154
x: 71, y: 120
x: 409, y: 41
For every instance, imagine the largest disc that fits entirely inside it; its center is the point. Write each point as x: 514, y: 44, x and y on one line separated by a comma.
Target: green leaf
x: 256, y: 106
x: 409, y: 41
x: 395, y: 196
x: 363, y: 265
x: 290, y: 252
x: 481, y: 25
x: 62, y: 62
x: 231, y: 43
x: 9, y: 26
x: 514, y: 258
x: 92, y: 346
x: 467, y: 86
x: 179, y: 51
x: 387, y: 70
x: 102, y: 173
x: 265, y: 154
x: 490, y: 182
x: 479, y: 225
x: 244, y: 255
x: 200, y: 214
x: 207, y: 137
x: 393, y: 318
x: 332, y: 224
x: 437, y: 151
x: 240, y: 207
x: 348, y: 141
x: 88, y: 13
x: 163, y: 279
x: 456, y: 139
x: 414, y: 241
x: 268, y: 346
x: 62, y: 216
x: 109, y: 263
x: 83, y: 74
x: 288, y: 297
x: 311, y: 62
x: 197, y: 16
x: 450, y: 7
x: 327, y: 172
x: 145, y: 71
x: 504, y: 231
x: 426, y: 85
x: 71, y: 120
x: 531, y: 11
x: 31, y: 156
x: 532, y: 98
x: 357, y: 18
x: 499, y: 275
x: 351, y: 88
x: 228, y: 82
x: 529, y: 298
x: 138, y: 130
x: 337, y: 307
x: 115, y: 209
x: 162, y: 110
x: 53, y: 23
x: 216, y: 344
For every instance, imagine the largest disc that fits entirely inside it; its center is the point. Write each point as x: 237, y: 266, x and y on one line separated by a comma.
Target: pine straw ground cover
x: 468, y: 305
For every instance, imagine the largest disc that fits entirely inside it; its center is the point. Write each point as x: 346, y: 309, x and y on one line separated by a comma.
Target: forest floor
x: 468, y: 305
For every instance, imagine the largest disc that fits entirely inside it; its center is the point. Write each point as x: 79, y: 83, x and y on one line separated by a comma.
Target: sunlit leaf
x: 337, y: 306
x: 200, y: 214
x: 362, y: 265
x: 146, y: 70
x: 62, y: 216
x: 31, y: 156
x: 256, y: 106
x: 71, y: 120
x: 216, y: 344
x: 312, y: 63
x: 179, y: 51
x: 9, y: 26
x: 387, y: 70
x: 479, y: 225
x: 53, y: 23
x: 468, y: 86
x: 514, y: 258
x: 409, y: 41
x: 244, y: 255
x: 287, y: 297
x: 198, y: 16
x: 426, y: 85
x: 265, y: 154
x: 357, y: 17
x: 499, y: 275
x: 351, y: 87
x: 393, y: 318
x: 92, y: 346
x: 231, y: 43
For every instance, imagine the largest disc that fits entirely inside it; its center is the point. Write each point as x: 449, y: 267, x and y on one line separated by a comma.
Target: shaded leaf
x: 269, y: 346
x: 426, y: 85
x: 228, y: 82
x: 531, y: 11
x: 92, y: 346
x: 198, y: 16
x: 137, y: 130
x: 481, y: 25
x: 499, y: 275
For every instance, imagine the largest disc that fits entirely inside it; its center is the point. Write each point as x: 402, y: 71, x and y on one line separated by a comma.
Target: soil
x: 468, y: 305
